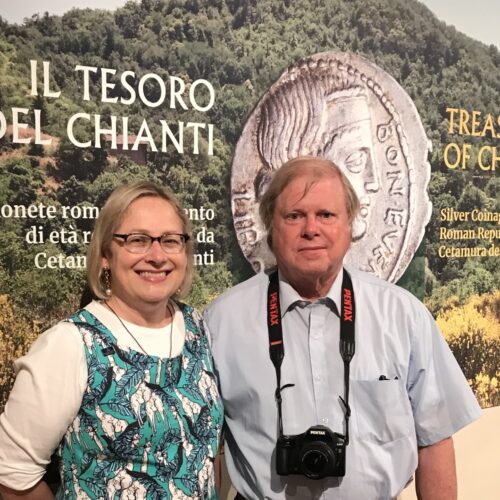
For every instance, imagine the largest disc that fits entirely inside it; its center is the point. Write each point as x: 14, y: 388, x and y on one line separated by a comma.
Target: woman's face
x: 143, y: 281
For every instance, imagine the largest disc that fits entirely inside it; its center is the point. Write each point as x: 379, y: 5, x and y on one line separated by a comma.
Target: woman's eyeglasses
x: 141, y: 243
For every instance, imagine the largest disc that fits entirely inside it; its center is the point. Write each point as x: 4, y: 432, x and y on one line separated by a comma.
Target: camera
x: 317, y: 453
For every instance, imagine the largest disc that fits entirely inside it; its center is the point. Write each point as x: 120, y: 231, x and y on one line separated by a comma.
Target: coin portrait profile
x: 341, y: 107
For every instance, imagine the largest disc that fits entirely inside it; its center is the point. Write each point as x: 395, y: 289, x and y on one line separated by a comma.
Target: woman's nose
x: 156, y: 252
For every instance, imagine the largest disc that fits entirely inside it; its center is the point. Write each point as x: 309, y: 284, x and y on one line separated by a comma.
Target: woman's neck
x: 149, y: 315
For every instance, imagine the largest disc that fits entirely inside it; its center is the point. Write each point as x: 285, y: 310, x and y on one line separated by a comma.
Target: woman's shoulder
x: 66, y: 336
x: 193, y: 319
x: 62, y: 335
x: 186, y: 309
x: 93, y: 310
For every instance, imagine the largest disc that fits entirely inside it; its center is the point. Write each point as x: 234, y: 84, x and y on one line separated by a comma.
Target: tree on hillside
x: 16, y: 336
x: 472, y: 331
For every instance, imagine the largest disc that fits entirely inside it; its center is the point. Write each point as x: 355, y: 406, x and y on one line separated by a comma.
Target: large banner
x: 211, y: 97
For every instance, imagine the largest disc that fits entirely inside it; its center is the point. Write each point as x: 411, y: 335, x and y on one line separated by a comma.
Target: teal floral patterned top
x: 148, y: 427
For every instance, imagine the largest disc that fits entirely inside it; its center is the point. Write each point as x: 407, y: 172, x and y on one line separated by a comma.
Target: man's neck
x: 312, y: 288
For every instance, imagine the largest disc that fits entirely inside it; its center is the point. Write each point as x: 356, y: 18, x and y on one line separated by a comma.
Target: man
x: 402, y: 389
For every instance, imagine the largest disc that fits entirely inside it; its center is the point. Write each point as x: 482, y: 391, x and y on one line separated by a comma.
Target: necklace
x: 170, y: 310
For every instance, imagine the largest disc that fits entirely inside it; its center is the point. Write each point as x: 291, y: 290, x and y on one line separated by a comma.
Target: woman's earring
x: 107, y: 281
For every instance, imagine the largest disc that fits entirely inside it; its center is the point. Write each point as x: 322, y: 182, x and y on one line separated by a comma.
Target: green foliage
x: 473, y: 279
x: 47, y: 296
x: 99, y: 191
x: 72, y: 191
x: 19, y: 181
x: 208, y: 283
x: 83, y: 164
x: 413, y: 278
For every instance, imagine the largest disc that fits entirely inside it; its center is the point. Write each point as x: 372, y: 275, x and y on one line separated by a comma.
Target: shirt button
x: 324, y: 420
x: 317, y: 377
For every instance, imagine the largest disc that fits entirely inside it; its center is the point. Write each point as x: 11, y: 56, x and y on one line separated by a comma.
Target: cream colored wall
x: 477, y: 449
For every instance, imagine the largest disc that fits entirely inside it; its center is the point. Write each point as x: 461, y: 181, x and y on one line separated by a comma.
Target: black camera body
x: 317, y: 453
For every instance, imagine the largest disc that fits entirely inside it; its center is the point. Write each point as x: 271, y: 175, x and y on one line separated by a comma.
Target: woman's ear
x: 104, y: 263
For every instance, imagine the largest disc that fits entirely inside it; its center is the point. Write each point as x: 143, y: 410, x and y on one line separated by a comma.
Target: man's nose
x: 310, y: 226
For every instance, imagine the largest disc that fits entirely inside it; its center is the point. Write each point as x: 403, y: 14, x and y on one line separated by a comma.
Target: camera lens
x: 317, y: 460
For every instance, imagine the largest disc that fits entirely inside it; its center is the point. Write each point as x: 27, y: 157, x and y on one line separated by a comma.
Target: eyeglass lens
x: 141, y: 243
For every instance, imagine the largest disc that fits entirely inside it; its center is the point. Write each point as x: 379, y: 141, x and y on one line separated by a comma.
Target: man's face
x: 311, y: 230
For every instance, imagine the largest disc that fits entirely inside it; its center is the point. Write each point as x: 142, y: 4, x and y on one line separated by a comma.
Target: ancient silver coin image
x: 341, y: 107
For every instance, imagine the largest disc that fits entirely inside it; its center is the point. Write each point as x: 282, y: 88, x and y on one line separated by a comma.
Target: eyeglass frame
x: 124, y: 237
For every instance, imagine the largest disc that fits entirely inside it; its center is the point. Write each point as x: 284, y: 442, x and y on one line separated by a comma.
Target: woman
x: 124, y: 388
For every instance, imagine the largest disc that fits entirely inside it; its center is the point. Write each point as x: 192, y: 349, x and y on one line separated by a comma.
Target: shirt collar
x: 289, y: 297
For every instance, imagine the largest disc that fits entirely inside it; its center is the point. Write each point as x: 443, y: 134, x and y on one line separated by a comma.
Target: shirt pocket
x: 382, y: 410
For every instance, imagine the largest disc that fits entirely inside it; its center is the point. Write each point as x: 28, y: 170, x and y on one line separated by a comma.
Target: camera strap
x: 277, y: 348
